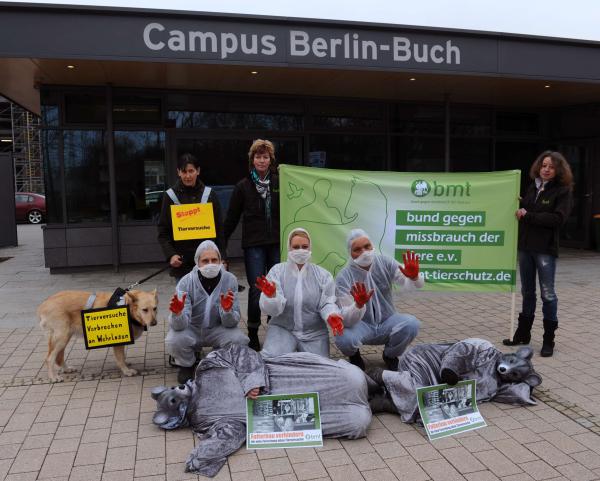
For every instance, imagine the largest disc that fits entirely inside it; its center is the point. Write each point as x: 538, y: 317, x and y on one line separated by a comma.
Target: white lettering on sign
x: 225, y: 43
x: 348, y: 45
x: 148, y: 41
x: 405, y: 50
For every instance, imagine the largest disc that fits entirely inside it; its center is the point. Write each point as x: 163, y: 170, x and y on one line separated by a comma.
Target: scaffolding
x: 27, y: 152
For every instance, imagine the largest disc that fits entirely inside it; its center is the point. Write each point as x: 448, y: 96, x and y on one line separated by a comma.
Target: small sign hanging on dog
x: 106, y: 327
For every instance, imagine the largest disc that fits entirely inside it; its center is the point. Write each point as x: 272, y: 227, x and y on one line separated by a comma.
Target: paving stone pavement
x: 97, y: 425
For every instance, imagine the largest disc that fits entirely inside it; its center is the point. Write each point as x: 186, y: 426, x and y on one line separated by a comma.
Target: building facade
x: 122, y: 93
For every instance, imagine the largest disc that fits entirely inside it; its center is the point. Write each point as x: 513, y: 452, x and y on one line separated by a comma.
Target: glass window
x: 418, y: 154
x: 468, y: 121
x: 88, y: 108
x: 336, y: 115
x: 517, y: 155
x: 409, y: 119
x: 86, y: 176
x: 50, y: 117
x: 234, y: 120
x: 52, y: 175
x: 141, y: 174
x: 518, y: 123
x: 50, y: 100
x: 347, y: 123
x: 131, y: 109
x: 470, y: 155
x: 356, y: 152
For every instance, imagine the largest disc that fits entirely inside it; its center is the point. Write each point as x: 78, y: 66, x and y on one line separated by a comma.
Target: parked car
x: 30, y: 207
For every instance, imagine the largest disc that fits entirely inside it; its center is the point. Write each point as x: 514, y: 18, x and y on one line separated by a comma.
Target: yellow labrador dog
x: 60, y: 317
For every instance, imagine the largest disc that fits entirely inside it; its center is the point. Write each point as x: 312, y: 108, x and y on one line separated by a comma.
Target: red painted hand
x: 411, y: 265
x: 227, y: 301
x: 266, y: 287
x: 360, y: 294
x: 337, y: 326
x: 176, y: 304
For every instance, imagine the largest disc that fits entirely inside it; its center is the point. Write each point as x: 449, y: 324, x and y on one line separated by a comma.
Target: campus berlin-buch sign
x: 461, y: 225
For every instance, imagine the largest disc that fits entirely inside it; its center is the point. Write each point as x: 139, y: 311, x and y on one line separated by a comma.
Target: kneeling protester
x: 204, y: 311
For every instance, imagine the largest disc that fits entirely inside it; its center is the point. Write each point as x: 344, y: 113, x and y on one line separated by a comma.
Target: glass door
x: 576, y: 232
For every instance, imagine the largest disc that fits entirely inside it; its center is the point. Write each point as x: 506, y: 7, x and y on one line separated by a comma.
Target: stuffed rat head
x: 517, y: 367
x: 172, y: 404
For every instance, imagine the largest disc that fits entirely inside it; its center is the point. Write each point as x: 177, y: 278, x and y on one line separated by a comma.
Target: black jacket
x: 186, y: 248
x: 247, y: 202
x: 539, y: 229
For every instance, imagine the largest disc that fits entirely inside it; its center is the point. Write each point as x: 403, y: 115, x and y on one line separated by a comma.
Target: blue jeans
x: 258, y: 261
x: 545, y: 266
x: 396, y: 333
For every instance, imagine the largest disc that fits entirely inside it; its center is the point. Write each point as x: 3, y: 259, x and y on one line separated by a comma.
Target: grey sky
x: 555, y: 18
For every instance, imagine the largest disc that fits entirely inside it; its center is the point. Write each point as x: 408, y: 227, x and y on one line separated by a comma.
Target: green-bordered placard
x: 447, y: 410
x: 283, y: 421
x: 104, y: 327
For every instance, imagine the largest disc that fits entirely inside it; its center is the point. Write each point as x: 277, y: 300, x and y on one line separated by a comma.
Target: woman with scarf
x: 255, y: 199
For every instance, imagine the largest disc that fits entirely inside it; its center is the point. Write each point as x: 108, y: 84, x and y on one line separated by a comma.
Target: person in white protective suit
x: 300, y: 298
x: 204, y: 311
x: 366, y: 283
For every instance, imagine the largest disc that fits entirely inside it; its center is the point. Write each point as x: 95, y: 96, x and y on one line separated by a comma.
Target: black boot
x: 375, y: 373
x: 253, y: 335
x: 548, y: 345
x: 382, y: 403
x: 523, y: 332
x: 391, y: 363
x: 357, y: 360
x: 185, y: 373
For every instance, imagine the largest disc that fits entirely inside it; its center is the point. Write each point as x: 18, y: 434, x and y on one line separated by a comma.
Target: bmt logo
x: 420, y: 188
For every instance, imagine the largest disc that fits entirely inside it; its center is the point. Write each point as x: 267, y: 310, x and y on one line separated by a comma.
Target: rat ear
x: 533, y: 379
x: 524, y: 352
x: 155, y: 391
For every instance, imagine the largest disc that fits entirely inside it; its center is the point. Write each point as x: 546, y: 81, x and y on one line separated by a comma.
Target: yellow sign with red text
x: 193, y: 221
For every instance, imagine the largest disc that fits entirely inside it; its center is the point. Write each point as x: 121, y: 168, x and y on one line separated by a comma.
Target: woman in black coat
x: 544, y: 209
x: 255, y: 199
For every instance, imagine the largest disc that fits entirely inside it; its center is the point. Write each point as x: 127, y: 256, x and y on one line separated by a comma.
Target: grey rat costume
x: 507, y: 378
x: 214, y: 404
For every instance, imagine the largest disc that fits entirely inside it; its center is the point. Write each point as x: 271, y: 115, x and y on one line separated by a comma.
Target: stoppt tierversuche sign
x: 193, y: 221
x: 106, y: 327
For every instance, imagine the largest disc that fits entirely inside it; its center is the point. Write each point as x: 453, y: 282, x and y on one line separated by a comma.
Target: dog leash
x: 135, y: 284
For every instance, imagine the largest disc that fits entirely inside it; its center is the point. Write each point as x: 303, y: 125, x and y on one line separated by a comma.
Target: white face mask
x: 365, y: 259
x: 299, y: 256
x: 210, y: 271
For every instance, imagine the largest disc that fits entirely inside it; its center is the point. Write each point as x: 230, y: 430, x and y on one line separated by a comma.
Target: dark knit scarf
x: 264, y: 190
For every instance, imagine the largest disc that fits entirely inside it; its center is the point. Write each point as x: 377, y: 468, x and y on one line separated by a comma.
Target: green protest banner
x: 462, y: 225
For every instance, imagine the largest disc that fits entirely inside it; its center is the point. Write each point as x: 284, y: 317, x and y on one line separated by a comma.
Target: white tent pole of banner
x: 512, y: 314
